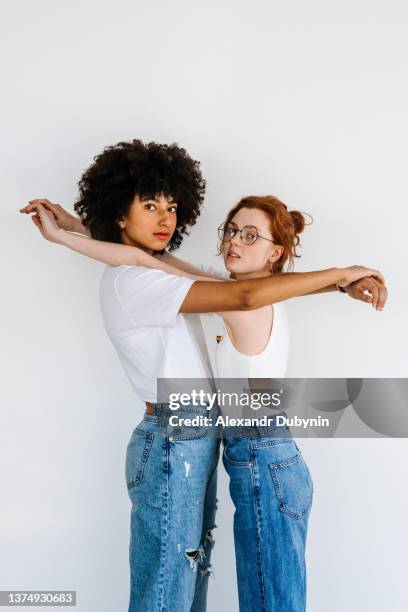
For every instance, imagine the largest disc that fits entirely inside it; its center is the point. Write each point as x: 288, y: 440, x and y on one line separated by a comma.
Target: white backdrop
x: 307, y: 101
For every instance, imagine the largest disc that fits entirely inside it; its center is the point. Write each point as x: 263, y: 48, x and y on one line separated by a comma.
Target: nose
x: 236, y: 239
x: 165, y: 218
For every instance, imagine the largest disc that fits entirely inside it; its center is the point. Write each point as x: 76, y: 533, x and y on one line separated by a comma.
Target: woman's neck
x: 129, y: 242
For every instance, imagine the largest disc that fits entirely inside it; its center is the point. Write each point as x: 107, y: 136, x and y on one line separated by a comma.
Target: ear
x: 276, y: 254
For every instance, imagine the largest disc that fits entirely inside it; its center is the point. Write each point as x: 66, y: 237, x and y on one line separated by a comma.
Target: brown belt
x: 149, y: 408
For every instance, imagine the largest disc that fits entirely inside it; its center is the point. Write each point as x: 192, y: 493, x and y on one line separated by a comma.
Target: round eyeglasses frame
x: 234, y: 231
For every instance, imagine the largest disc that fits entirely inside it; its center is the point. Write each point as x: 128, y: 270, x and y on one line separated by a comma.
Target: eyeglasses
x: 249, y: 233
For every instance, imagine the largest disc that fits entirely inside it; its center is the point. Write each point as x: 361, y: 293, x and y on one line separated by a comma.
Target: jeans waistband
x: 163, y: 410
x: 262, y: 427
x: 266, y: 426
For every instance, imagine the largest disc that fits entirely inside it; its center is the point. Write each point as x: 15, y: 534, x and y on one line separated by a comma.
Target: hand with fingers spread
x: 62, y: 217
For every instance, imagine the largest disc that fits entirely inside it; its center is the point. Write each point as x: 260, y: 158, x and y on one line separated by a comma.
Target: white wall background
x: 307, y: 101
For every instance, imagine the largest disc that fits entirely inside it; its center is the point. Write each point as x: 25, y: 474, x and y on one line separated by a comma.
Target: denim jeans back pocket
x: 293, y: 485
x: 137, y: 455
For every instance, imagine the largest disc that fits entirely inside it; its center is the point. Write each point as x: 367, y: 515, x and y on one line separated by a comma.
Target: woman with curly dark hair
x: 107, y: 188
x: 145, y: 300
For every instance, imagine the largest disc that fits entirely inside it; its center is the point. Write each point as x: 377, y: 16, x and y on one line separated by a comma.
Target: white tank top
x: 270, y: 363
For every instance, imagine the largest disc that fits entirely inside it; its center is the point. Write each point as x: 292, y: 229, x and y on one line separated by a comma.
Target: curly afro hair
x: 122, y: 171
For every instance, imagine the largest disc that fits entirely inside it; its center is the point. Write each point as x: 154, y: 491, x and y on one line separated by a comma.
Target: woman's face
x: 246, y: 261
x: 150, y: 223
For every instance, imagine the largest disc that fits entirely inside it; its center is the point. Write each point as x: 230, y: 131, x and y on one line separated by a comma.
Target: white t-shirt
x: 270, y: 363
x: 140, y: 309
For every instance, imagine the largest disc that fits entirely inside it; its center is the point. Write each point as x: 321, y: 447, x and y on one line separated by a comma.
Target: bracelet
x: 341, y: 289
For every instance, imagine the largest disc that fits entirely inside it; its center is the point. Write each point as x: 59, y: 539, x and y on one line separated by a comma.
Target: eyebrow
x: 147, y: 197
x: 233, y: 223
x: 156, y: 199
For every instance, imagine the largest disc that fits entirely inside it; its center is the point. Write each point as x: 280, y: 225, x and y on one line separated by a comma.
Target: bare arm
x: 250, y: 295
x: 207, y: 296
x: 121, y: 254
x: 107, y: 252
x: 369, y: 289
x: 70, y: 223
x: 255, y: 293
x: 185, y: 266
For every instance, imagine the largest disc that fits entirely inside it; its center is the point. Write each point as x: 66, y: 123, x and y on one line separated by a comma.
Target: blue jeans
x: 272, y: 490
x: 171, y: 476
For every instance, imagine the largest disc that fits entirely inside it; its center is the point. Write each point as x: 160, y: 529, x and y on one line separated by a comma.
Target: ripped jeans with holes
x: 171, y: 478
x: 272, y: 490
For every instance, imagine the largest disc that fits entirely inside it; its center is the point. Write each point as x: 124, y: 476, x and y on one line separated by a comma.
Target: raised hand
x: 63, y: 218
x: 47, y: 224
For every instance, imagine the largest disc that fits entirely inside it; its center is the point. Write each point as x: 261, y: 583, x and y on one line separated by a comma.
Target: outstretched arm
x: 106, y: 252
x: 369, y: 289
x: 225, y: 296
x: 255, y: 293
x: 71, y: 223
x: 185, y: 266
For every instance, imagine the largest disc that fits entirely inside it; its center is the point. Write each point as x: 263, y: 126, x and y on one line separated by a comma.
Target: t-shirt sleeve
x: 151, y: 297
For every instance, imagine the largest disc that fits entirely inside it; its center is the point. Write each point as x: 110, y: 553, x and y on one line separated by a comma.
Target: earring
x: 121, y: 224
